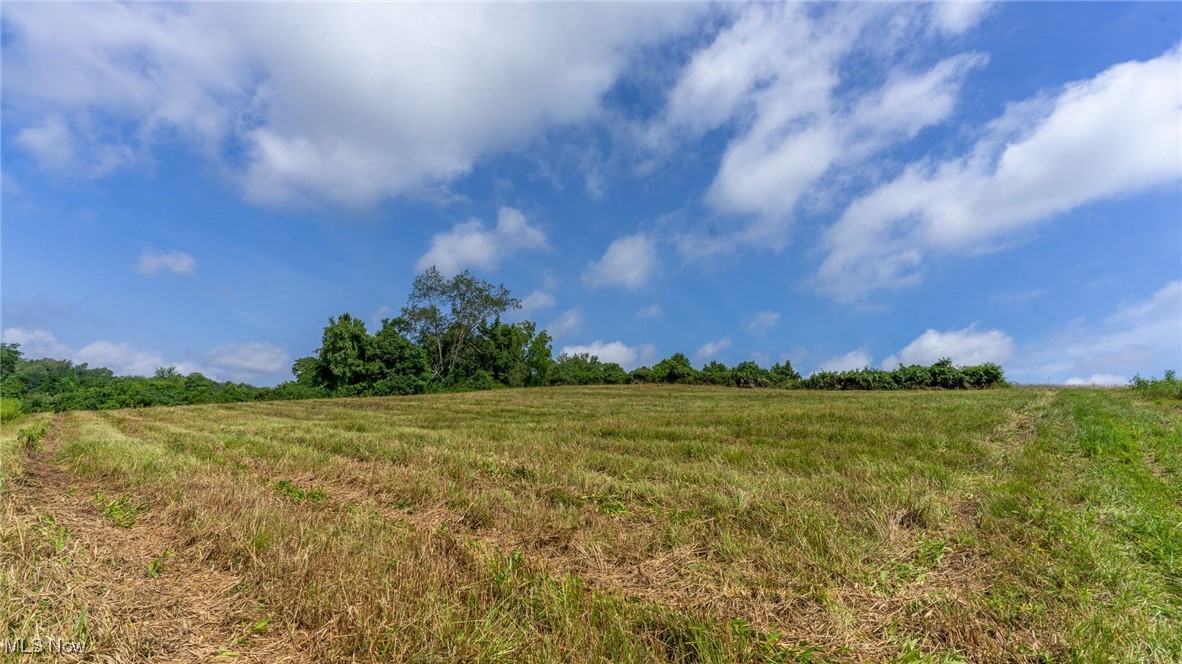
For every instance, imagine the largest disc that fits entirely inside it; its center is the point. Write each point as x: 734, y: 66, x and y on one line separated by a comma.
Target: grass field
x: 634, y: 523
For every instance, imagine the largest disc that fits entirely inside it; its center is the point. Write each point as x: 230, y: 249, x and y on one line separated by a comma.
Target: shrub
x: 675, y: 369
x: 585, y: 369
x: 613, y: 374
x: 984, y: 375
x: 750, y: 374
x: 641, y: 375
x: 941, y: 375
x: 1167, y: 386
x: 10, y: 409
x: 913, y: 377
x: 784, y: 375
x: 715, y: 373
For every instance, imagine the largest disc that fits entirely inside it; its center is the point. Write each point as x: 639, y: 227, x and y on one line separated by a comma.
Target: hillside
x: 630, y: 523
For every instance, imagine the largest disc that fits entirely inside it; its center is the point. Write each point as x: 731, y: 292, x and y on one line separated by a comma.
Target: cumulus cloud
x: 627, y: 263
x: 50, y: 144
x: 762, y: 322
x: 622, y: 354
x: 775, y: 75
x: 957, y: 16
x: 470, y: 244
x: 250, y: 358
x: 855, y: 359
x: 967, y: 346
x: 248, y: 361
x: 345, y: 103
x: 36, y: 343
x: 153, y: 262
x: 712, y: 348
x: 537, y: 300
x: 568, y: 323
x: 1102, y: 380
x: 1112, y: 135
x: 1140, y: 336
x: 122, y: 358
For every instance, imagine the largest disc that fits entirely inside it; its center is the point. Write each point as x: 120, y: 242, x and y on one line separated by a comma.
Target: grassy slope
x: 635, y: 523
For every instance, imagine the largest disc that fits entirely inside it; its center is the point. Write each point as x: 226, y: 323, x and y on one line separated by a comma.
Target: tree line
x: 450, y: 336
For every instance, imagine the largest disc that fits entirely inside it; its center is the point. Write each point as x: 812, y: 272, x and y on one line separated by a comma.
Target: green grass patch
x: 299, y: 494
x: 123, y: 511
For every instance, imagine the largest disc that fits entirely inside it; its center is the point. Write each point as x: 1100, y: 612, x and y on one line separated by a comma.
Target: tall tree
x: 342, y: 352
x: 443, y: 315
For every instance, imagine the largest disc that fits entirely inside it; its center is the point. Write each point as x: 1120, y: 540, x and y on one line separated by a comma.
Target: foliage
x: 675, y: 369
x: 750, y: 374
x: 784, y: 375
x: 585, y: 369
x: 30, y: 436
x: 715, y: 373
x: 450, y: 337
x: 350, y: 362
x: 56, y: 385
x: 514, y: 354
x: 641, y: 375
x: 1168, y: 386
x: 941, y: 375
x: 10, y: 409
x: 123, y: 511
x: 444, y: 315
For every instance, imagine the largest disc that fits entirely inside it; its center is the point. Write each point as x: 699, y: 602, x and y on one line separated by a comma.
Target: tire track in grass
x: 146, y: 596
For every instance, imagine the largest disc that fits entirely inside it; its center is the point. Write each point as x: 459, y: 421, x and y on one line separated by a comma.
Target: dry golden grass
x: 634, y: 523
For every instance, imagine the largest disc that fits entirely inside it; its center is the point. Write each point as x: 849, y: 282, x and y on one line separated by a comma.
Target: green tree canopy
x: 444, y: 315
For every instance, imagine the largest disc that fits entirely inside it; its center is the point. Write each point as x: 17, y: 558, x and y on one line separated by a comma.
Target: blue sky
x: 838, y: 184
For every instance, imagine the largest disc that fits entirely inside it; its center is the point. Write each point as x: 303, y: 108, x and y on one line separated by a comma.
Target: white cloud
x: 1165, y: 304
x: 626, y: 356
x: 122, y: 358
x: 762, y: 322
x: 712, y: 348
x: 855, y: 359
x: 1138, y: 337
x: 537, y: 300
x: 153, y: 262
x: 349, y: 103
x: 243, y: 362
x: 50, y: 144
x: 957, y: 16
x: 568, y: 323
x: 1106, y: 380
x: 250, y: 358
x: 470, y: 244
x: 627, y: 263
x: 57, y: 148
x: 965, y: 347
x: 775, y: 73
x: 1113, y: 135
x: 37, y: 343
x: 653, y: 310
